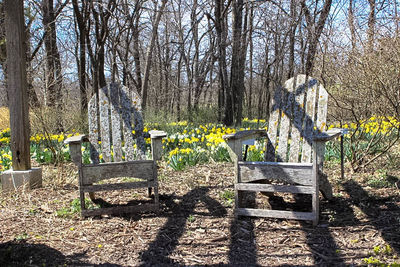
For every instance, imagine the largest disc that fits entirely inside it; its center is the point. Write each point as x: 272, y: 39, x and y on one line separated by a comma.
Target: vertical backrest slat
x: 104, y: 108
x: 273, y: 124
x: 116, y: 122
x: 297, y: 125
x: 322, y: 113
x: 309, y: 124
x: 127, y: 123
x: 322, y: 108
x: 93, y: 130
x: 286, y: 115
x: 139, y: 126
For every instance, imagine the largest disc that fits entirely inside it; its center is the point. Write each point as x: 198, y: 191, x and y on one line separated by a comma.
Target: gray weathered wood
x: 76, y: 139
x: 315, y: 181
x: 294, y: 173
x: 138, y: 169
x: 246, y: 134
x: 297, y: 124
x: 276, y: 105
x: 139, y: 126
x: 93, y: 130
x: 156, y: 148
x: 282, y: 214
x: 294, y: 189
x: 104, y: 108
x: 119, y: 108
x: 156, y: 143
x: 116, y: 122
x: 17, y: 84
x: 126, y: 109
x: 328, y: 135
x: 286, y: 116
x: 305, y: 112
x: 116, y: 186
x: 309, y: 122
x: 75, y: 152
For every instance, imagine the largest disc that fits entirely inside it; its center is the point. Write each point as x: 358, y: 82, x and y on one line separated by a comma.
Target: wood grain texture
x: 116, y: 186
x: 104, y: 108
x: 76, y: 153
x: 116, y: 122
x: 297, y: 124
x: 139, y: 124
x: 293, y: 173
x: 247, y: 134
x: 126, y: 111
x: 116, y: 117
x: 276, y: 105
x: 296, y: 215
x: 17, y: 85
x: 309, y: 122
x: 143, y: 169
x: 286, y: 117
x: 294, y: 189
x: 93, y: 130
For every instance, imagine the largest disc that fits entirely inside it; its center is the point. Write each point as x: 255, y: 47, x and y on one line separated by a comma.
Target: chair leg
x: 315, y: 208
x: 82, y: 199
x: 156, y: 197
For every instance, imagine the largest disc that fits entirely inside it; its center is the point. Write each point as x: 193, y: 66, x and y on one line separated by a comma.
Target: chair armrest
x: 244, y: 135
x: 329, y: 135
x: 157, y: 134
x: 234, y: 142
x: 78, y: 139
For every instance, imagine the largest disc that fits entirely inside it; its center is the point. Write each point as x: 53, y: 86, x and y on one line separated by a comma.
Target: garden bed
x: 196, y: 226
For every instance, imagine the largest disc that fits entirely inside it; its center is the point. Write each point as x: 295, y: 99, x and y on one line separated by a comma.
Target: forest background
x: 213, y: 61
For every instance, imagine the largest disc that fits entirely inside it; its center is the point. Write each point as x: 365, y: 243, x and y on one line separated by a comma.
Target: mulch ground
x: 196, y: 226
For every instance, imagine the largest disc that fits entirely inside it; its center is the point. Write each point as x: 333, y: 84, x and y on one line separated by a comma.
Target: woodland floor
x: 196, y: 226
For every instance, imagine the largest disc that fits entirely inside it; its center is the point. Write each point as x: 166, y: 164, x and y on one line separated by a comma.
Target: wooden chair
x: 115, y: 121
x: 294, y: 153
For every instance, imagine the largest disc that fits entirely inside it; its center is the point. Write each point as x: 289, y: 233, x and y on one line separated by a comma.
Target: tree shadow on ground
x: 242, y: 249
x: 382, y: 213
x: 22, y: 253
x: 178, y: 214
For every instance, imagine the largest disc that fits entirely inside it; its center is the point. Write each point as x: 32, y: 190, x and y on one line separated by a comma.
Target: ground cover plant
x: 196, y: 225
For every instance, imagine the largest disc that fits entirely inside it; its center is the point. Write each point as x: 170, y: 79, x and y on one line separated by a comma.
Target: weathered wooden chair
x: 115, y: 121
x: 294, y: 152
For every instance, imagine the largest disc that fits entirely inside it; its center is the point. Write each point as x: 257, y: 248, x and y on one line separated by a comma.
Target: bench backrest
x: 115, y: 123
x: 298, y: 110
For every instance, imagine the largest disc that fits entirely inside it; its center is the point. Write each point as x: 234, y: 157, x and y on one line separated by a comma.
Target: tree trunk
x: 17, y: 85
x: 149, y: 55
x: 81, y: 19
x: 222, y: 32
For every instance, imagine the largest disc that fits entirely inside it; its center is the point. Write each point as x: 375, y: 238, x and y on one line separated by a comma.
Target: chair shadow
x: 178, y: 214
x: 22, y: 253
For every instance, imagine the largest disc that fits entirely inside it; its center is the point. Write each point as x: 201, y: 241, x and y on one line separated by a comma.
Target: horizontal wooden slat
x: 283, y: 214
x: 298, y: 173
x: 295, y: 189
x: 121, y: 209
x: 117, y: 186
x: 138, y: 169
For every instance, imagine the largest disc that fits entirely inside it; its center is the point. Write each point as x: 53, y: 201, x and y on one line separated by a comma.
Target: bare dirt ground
x: 196, y: 226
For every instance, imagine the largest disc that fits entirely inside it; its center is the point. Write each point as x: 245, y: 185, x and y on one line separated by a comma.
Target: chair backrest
x: 298, y: 110
x: 115, y: 119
